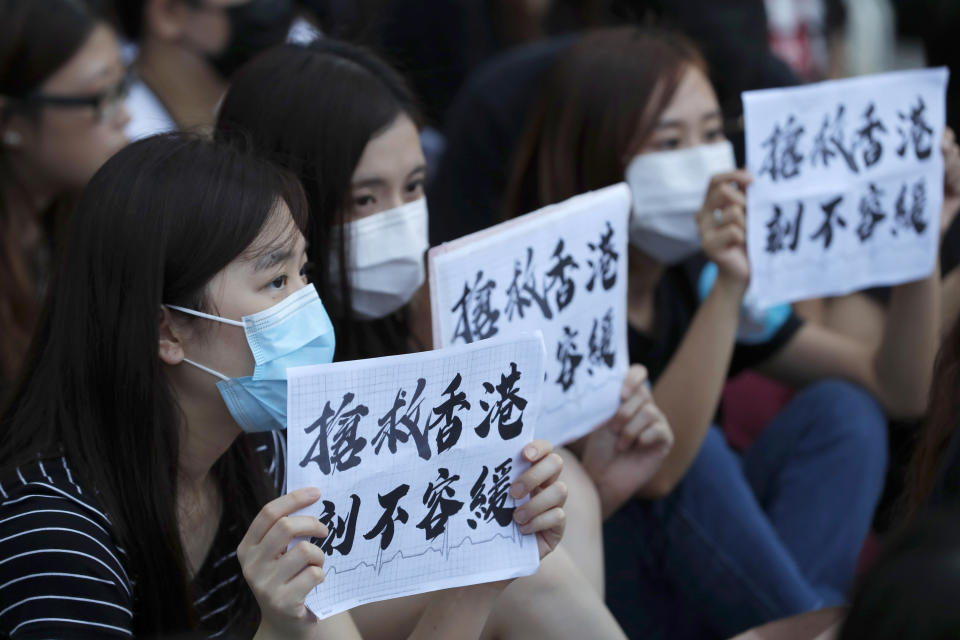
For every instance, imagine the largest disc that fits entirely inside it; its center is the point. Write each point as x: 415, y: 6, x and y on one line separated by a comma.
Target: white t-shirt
x: 148, y: 116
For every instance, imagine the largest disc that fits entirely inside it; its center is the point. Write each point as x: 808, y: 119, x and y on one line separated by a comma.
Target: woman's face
x: 692, y: 117
x: 268, y: 271
x: 63, y: 146
x: 390, y: 172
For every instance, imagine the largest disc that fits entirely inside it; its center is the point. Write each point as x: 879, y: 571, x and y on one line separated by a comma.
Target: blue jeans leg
x: 709, y: 561
x: 709, y: 552
x: 818, y: 472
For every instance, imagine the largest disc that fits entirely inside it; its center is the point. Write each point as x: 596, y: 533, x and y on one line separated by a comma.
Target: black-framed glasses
x: 105, y: 104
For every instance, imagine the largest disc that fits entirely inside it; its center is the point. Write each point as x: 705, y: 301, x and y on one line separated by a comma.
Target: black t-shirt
x: 675, y: 306
x: 482, y: 131
x: 437, y: 45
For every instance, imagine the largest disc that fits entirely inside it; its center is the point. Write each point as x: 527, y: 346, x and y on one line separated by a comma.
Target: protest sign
x: 414, y: 455
x: 848, y: 184
x: 561, y: 270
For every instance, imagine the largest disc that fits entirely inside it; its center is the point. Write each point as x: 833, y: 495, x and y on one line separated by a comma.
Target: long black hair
x: 911, y: 590
x: 313, y: 109
x: 154, y: 225
x: 36, y: 39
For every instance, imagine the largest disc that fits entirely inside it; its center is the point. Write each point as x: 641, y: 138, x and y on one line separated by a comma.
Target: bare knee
x: 582, y: 496
x: 390, y: 619
x: 584, y: 532
x: 552, y: 603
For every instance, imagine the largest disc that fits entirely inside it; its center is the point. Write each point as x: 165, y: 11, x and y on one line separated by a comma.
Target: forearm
x: 458, y: 614
x: 904, y: 362
x: 688, y: 391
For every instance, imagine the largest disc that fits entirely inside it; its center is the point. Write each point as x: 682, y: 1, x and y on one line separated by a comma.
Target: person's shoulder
x: 517, y: 66
x: 61, y: 570
x: 42, y: 504
x: 48, y: 481
x: 505, y: 87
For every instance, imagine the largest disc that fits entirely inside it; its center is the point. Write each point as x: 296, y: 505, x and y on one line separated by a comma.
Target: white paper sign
x: 848, y: 184
x: 562, y: 270
x: 414, y: 455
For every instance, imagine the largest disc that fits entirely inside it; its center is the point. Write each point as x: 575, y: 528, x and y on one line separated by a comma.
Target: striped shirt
x: 62, y: 573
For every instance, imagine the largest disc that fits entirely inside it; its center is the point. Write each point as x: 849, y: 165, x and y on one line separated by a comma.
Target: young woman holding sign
x: 346, y: 124
x: 136, y: 497
x: 728, y: 541
x: 62, y: 86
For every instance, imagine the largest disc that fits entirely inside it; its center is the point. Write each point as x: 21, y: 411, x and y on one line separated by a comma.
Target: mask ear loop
x: 207, y: 369
x: 201, y: 314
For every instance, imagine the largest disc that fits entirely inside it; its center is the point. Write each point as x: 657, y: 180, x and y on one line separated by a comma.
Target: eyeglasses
x: 105, y: 104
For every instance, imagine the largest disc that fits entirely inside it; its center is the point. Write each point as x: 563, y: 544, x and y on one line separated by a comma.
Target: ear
x: 164, y: 19
x: 170, y: 340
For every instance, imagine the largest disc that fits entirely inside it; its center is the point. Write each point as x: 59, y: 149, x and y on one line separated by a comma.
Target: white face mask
x: 668, y: 189
x: 386, y: 258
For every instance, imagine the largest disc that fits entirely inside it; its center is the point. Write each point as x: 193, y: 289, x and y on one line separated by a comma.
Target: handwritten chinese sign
x: 848, y: 184
x: 561, y: 270
x: 415, y: 455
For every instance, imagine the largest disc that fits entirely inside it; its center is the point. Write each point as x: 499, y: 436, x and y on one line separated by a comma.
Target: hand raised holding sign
x: 623, y: 454
x: 279, y: 578
x: 543, y: 513
x: 723, y: 225
x: 849, y: 183
x: 639, y: 422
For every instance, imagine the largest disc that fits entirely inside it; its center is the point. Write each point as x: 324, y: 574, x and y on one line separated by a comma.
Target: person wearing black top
x: 717, y: 542
x: 345, y: 122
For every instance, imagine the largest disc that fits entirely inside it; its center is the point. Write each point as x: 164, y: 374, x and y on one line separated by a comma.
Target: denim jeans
x: 746, y: 539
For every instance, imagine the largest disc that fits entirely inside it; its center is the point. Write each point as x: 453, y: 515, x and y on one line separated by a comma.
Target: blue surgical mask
x: 294, y: 332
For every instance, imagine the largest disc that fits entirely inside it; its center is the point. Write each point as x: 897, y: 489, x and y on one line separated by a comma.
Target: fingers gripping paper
x: 415, y: 455
x: 562, y: 270
x: 848, y: 184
